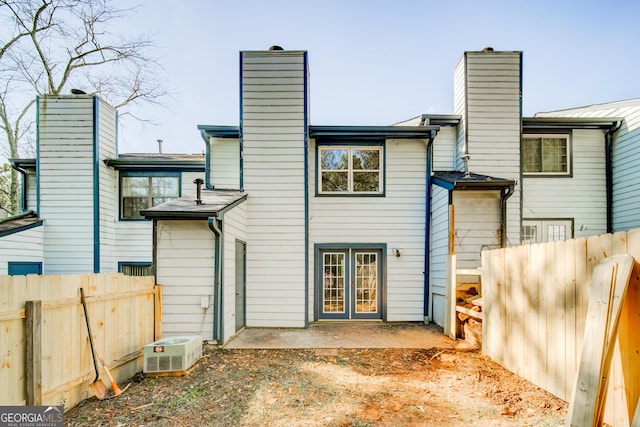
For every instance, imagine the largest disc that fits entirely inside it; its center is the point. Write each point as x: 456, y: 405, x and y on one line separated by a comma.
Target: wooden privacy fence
x: 535, y: 306
x: 45, y: 353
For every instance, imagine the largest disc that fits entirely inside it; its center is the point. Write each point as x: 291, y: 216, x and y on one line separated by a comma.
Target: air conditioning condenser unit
x: 172, y: 354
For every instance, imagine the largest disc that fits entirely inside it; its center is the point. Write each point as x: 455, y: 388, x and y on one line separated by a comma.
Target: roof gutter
x: 609, y: 172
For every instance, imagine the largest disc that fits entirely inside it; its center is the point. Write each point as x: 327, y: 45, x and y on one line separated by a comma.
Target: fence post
x: 157, y: 326
x: 33, y: 339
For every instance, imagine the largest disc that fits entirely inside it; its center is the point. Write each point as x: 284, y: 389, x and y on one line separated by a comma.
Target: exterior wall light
x: 398, y: 251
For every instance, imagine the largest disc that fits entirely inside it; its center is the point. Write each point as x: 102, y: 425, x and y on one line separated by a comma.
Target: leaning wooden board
x: 608, y: 289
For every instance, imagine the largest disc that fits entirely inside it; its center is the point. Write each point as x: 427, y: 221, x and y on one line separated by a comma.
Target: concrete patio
x: 345, y: 335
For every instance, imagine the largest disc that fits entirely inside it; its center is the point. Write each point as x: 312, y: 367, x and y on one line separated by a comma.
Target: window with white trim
x: 546, y: 155
x: 548, y: 230
x: 141, y: 191
x: 346, y: 169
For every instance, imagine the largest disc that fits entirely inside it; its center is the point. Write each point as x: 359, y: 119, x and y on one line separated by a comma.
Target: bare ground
x: 344, y: 387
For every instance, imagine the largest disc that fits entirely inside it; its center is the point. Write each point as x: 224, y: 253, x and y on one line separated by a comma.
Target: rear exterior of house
x: 299, y: 223
x: 86, y: 196
x: 623, y: 151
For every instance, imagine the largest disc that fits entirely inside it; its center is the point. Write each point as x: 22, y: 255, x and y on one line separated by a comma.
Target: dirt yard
x: 354, y: 387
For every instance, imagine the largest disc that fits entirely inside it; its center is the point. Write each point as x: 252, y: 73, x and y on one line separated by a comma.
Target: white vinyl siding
x: 398, y: 219
x: 476, y: 225
x: 31, y: 191
x: 439, y: 250
x: 185, y: 251
x: 23, y: 246
x: 108, y: 186
x: 234, y: 227
x: 187, y: 187
x: 444, y: 149
x: 273, y: 132
x: 225, y: 163
x: 134, y: 241
x: 625, y: 158
x: 491, y: 108
x: 66, y: 183
x: 582, y: 196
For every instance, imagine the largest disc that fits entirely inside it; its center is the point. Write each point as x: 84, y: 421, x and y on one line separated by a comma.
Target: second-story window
x: 546, y: 155
x: 350, y: 169
x: 142, y: 191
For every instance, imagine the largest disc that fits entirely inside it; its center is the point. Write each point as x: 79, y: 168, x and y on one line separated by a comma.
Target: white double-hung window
x: 546, y: 154
x: 350, y: 169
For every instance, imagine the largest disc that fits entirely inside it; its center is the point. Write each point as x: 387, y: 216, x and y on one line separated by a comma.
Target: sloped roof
x: 14, y: 224
x: 455, y: 180
x: 185, y: 207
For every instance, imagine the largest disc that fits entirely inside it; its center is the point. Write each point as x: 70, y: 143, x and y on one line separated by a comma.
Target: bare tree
x: 49, y: 46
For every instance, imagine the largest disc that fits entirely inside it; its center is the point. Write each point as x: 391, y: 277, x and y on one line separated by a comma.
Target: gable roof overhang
x: 158, y: 161
x: 373, y: 132
x: 214, y: 203
x: 569, y: 123
x: 211, y: 131
x: 22, y: 165
x: 455, y: 180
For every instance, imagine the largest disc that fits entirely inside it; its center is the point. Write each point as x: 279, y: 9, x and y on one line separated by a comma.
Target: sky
x: 375, y: 62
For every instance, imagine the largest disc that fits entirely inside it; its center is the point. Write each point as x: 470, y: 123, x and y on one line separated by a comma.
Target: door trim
x: 319, y: 248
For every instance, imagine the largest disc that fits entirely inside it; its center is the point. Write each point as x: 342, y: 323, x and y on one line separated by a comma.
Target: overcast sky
x: 375, y: 62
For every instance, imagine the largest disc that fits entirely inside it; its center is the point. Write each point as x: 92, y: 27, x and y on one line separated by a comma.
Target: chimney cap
x: 276, y: 47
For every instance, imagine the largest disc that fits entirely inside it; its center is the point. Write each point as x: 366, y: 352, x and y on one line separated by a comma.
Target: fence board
x: 536, y: 299
x: 121, y: 310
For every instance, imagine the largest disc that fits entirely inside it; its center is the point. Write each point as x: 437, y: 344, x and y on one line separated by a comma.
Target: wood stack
x: 469, y: 313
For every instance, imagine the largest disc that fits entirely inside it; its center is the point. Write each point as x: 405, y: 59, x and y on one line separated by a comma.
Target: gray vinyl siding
x: 134, y: 240
x: 439, y: 250
x: 625, y: 157
x: 185, y: 251
x: 234, y: 227
x: 225, y: 163
x: 24, y: 246
x: 476, y: 222
x: 397, y: 219
x: 444, y: 149
x: 108, y: 181
x: 273, y: 136
x: 581, y: 197
x: 66, y: 183
x: 493, y: 120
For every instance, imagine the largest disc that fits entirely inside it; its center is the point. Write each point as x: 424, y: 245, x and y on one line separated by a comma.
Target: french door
x: 349, y: 284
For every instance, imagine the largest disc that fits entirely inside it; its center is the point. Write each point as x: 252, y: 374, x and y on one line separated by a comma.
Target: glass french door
x: 350, y: 284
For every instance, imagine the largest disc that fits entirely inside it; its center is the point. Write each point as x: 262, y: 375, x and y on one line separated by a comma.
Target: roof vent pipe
x: 159, y: 146
x: 198, y: 182
x: 465, y: 159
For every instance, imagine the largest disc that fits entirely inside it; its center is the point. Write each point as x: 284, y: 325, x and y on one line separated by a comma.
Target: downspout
x: 207, y: 160
x: 427, y: 229
x: 215, y: 225
x: 609, y: 173
x: 23, y: 187
x: 504, y: 195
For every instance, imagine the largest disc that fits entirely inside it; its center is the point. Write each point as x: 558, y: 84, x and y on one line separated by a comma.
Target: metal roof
x: 185, y: 207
